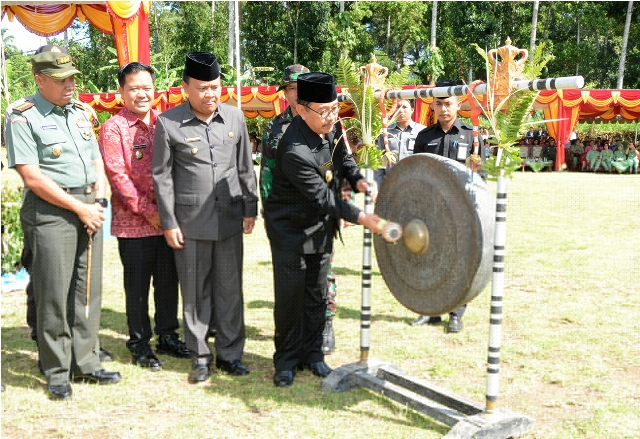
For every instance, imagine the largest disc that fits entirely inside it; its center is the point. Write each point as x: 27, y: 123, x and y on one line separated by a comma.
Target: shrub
x: 12, y: 229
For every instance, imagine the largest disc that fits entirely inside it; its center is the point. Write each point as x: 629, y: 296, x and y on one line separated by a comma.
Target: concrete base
x: 502, y: 424
x: 467, y: 417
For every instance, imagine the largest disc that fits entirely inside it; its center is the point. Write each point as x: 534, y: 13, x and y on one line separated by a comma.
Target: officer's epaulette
x: 23, y: 107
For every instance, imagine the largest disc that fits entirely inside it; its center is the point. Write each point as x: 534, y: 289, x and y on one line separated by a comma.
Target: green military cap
x: 54, y: 64
x: 291, y: 74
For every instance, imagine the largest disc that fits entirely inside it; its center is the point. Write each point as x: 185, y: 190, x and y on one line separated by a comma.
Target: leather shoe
x: 199, y: 373
x: 319, y: 369
x: 99, y: 377
x: 234, y: 367
x: 105, y: 355
x: 172, y: 345
x: 455, y: 324
x: 426, y: 320
x: 145, y: 357
x: 59, y: 391
x: 283, y: 378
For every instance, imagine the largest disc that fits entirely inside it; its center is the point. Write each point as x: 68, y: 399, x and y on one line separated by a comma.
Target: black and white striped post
x: 365, y: 306
x: 497, y: 290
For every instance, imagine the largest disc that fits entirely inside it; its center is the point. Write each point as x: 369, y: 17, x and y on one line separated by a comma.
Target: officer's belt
x: 86, y: 190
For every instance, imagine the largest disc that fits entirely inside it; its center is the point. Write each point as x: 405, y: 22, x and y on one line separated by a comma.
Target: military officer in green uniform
x: 606, y: 155
x: 593, y: 157
x: 50, y: 142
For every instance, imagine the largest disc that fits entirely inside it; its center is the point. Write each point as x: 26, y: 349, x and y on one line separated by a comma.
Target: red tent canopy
x: 564, y: 107
x: 127, y: 21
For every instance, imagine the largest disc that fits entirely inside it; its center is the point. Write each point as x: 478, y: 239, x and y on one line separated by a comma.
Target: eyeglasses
x: 333, y: 110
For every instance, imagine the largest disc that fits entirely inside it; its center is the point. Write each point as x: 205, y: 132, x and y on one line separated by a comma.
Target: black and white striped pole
x: 497, y: 290
x: 365, y: 306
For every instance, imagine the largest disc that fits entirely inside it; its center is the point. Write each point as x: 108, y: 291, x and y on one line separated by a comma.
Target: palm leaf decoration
x: 508, y: 118
x: 366, y: 125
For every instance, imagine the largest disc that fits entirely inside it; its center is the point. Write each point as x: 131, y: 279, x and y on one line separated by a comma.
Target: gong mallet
x: 88, y: 301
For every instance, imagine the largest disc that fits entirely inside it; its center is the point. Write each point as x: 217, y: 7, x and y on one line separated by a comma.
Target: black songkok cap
x: 202, y: 66
x: 317, y: 87
x: 448, y: 83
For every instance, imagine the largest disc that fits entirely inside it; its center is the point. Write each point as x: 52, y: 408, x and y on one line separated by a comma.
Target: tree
x: 625, y: 39
x: 534, y: 27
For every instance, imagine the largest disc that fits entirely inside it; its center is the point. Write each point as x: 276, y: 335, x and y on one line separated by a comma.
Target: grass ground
x: 570, y: 356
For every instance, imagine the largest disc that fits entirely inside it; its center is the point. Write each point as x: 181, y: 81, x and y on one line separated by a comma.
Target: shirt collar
x: 313, y: 139
x: 132, y: 119
x: 395, y: 126
x: 45, y: 106
x: 286, y: 115
x: 456, y: 125
x: 189, y: 116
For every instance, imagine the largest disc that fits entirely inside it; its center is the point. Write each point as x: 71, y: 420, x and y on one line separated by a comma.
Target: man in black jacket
x: 302, y: 215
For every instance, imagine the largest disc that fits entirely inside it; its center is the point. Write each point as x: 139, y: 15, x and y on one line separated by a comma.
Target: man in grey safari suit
x: 207, y: 197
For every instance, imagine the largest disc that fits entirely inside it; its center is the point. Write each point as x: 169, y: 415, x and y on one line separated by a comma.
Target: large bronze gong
x: 447, y: 213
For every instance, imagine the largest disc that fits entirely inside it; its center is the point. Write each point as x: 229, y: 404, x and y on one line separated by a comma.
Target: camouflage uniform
x: 269, y: 144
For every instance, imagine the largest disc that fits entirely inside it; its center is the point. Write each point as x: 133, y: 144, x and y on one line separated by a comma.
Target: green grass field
x: 570, y: 355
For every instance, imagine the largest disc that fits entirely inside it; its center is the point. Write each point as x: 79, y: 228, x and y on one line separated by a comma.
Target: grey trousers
x: 210, y: 274
x: 67, y: 340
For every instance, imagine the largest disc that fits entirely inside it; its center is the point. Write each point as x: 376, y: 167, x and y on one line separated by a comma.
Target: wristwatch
x: 103, y: 202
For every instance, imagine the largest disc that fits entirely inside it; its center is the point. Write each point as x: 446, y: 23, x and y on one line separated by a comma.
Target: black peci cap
x: 317, y: 87
x: 202, y: 66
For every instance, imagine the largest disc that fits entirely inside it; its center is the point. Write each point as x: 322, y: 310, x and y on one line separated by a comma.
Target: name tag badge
x: 410, y: 144
x: 48, y: 127
x: 434, y: 144
x: 462, y: 152
x: 191, y: 139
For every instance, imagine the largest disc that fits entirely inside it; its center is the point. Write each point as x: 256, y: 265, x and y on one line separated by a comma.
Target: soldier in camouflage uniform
x: 278, y: 126
x: 269, y: 145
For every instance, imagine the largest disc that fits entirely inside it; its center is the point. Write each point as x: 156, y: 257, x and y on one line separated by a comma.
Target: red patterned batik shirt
x: 126, y: 144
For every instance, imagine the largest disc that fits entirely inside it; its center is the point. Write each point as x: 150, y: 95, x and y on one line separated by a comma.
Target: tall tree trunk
x: 534, y: 29
x: 232, y: 27
x: 341, y: 5
x: 295, y: 35
x: 434, y: 22
x: 388, y: 35
x: 213, y: 13
x: 578, y: 45
x: 625, y: 40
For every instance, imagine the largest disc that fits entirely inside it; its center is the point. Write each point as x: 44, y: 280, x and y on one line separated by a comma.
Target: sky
x: 24, y: 40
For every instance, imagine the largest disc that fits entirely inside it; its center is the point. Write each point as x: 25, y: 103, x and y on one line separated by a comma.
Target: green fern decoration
x: 508, y: 118
x: 366, y: 125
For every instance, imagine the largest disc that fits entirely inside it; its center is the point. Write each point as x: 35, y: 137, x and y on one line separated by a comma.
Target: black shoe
x: 145, y: 357
x: 283, y: 378
x: 328, y: 337
x: 172, y: 345
x: 105, y: 355
x: 455, y: 324
x: 199, y: 373
x: 426, y: 320
x: 99, y: 377
x: 234, y: 367
x: 59, y: 391
x: 319, y: 369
